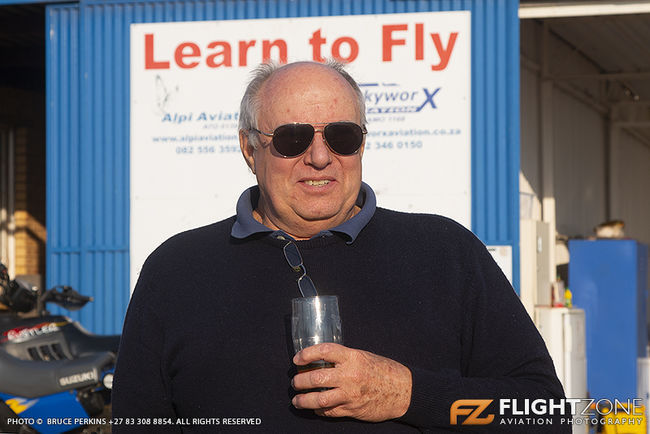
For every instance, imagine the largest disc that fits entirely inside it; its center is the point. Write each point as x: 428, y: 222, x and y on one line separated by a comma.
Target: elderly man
x: 428, y: 317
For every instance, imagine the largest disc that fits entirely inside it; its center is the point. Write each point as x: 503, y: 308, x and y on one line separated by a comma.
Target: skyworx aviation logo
x: 569, y: 411
x: 385, y: 98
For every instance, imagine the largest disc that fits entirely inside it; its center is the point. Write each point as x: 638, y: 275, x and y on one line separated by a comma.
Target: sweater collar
x: 245, y: 225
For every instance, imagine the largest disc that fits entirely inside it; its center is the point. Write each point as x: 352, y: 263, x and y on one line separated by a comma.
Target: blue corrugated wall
x: 87, y: 160
x: 88, y: 128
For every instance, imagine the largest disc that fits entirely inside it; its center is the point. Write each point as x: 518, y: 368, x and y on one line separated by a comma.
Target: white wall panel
x: 579, y: 145
x: 634, y: 188
x: 530, y: 181
x: 579, y: 136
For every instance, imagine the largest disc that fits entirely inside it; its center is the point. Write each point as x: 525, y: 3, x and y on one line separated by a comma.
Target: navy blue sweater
x: 207, y: 333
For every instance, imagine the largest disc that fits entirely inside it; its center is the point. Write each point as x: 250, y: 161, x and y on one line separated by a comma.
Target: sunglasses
x: 292, y: 140
x: 293, y: 257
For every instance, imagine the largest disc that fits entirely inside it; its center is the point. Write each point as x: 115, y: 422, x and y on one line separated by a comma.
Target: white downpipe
x: 11, y: 204
x: 7, y: 201
x: 547, y: 154
x: 3, y: 197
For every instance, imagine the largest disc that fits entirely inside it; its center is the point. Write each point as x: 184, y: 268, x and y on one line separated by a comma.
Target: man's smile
x: 317, y: 183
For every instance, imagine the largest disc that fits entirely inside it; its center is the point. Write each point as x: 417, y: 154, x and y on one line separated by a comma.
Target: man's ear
x: 247, y: 150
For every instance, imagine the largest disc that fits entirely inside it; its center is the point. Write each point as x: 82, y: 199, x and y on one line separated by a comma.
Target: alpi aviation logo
x: 382, y: 98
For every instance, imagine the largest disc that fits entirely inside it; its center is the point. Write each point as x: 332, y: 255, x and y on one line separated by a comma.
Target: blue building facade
x: 88, y: 103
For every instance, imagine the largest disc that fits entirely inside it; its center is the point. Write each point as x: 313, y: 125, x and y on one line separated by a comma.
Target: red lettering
x: 225, y: 53
x: 243, y: 51
x: 419, y: 41
x: 444, y: 54
x: 180, y: 56
x: 388, y: 41
x: 281, y: 44
x: 218, y: 54
x: 316, y: 42
x: 354, y: 49
x: 149, y: 62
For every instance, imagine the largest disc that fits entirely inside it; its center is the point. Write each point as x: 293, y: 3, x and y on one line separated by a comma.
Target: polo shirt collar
x: 245, y: 224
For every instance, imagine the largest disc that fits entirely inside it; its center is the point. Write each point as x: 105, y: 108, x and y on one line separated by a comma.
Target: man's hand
x: 363, y: 385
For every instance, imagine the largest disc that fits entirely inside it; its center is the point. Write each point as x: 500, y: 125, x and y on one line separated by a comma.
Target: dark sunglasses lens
x: 344, y: 138
x: 293, y: 255
x: 292, y: 139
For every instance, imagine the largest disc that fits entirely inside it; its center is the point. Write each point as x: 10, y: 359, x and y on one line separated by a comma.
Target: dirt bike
x: 54, y: 375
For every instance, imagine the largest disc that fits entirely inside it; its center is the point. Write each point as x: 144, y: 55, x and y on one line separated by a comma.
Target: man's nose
x: 318, y: 154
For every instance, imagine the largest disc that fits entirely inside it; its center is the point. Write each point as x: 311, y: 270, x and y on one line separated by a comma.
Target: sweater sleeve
x: 141, y: 389
x: 503, y: 357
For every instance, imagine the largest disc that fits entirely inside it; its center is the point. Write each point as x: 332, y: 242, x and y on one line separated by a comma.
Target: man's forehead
x: 301, y: 68
x: 306, y: 92
x: 304, y: 75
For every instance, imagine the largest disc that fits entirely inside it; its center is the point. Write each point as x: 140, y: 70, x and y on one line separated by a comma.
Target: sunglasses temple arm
x: 307, y: 287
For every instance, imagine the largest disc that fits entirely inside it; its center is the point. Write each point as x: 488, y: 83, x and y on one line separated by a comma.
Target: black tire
x: 7, y: 413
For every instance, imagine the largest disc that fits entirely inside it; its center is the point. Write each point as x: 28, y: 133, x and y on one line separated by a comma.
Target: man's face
x: 318, y: 189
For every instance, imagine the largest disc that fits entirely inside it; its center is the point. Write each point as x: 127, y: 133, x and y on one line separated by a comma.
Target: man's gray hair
x: 251, y: 103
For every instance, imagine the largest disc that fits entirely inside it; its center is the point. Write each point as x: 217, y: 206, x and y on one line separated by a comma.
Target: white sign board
x: 187, y: 80
x: 502, y: 255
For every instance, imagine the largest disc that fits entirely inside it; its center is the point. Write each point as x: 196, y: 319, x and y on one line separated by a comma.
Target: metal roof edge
x: 581, y: 9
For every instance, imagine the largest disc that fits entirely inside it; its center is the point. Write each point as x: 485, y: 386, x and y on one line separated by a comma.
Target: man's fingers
x: 329, y: 352
x: 319, y: 400
x: 332, y: 412
x: 325, y: 377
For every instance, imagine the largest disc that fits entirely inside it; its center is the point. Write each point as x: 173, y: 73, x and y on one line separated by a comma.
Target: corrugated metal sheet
x: 495, y: 125
x: 88, y: 127
x: 87, y: 160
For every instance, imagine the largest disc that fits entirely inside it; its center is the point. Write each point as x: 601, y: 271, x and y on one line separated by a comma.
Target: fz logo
x: 472, y: 408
